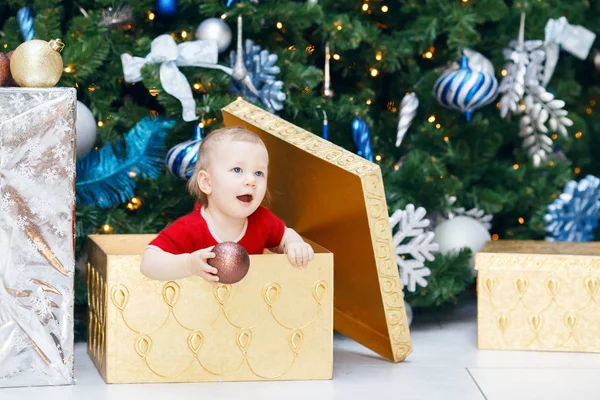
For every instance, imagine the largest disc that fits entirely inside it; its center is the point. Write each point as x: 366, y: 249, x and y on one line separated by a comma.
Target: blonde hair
x: 234, y: 133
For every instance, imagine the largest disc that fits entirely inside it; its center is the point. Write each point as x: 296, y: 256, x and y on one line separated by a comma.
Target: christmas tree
x: 353, y: 61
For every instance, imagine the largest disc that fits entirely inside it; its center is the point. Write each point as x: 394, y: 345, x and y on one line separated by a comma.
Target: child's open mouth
x: 245, y: 198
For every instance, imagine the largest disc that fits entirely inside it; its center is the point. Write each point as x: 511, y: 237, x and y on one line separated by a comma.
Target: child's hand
x: 299, y: 253
x: 197, y: 265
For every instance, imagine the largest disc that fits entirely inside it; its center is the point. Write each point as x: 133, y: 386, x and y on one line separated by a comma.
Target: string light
x: 521, y: 220
x: 378, y: 56
x: 91, y: 89
x: 339, y: 28
x: 588, y: 111
x: 429, y: 53
x: 384, y: 9
x: 374, y: 72
x: 223, y: 16
x: 378, y: 157
x: 577, y: 170
x: 5, y: 45
x: 153, y: 92
x: 431, y: 119
x: 438, y: 126
x: 516, y: 167
x: 336, y: 57
x: 578, y: 135
x: 498, y: 105
x: 151, y: 16
x: 132, y: 174
x: 365, y: 7
x: 100, y: 124
x: 495, y: 236
x: 69, y: 69
x: 279, y: 25
x: 523, y: 107
x: 551, y: 163
x: 504, y: 72
x: 134, y: 204
x: 592, y: 102
x: 368, y: 102
x: 106, y: 228
x: 154, y: 113
x: 446, y: 139
x: 554, y: 136
x: 396, y: 167
x: 197, y: 86
x: 310, y: 48
x: 184, y: 34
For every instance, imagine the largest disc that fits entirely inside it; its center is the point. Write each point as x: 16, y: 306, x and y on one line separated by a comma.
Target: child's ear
x: 204, y: 182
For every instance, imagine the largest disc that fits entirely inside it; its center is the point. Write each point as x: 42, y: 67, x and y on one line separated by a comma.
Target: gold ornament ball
x: 37, y: 63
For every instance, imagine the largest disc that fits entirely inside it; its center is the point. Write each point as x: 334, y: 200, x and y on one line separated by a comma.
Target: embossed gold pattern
x: 538, y: 296
x: 277, y: 323
x: 337, y: 199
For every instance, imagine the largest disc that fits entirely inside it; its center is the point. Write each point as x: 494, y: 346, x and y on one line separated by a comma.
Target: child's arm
x: 160, y: 265
x: 298, y: 251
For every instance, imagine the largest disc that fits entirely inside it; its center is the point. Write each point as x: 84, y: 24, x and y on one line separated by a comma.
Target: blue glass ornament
x: 166, y: 8
x: 574, y: 215
x: 182, y: 157
x: 464, y: 89
x: 25, y: 20
x: 362, y: 138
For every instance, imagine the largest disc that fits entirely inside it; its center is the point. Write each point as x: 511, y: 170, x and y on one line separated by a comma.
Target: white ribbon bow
x: 166, y: 52
x: 574, y: 39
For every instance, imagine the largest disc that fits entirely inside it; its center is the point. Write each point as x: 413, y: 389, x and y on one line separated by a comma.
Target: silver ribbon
x: 574, y: 39
x: 166, y: 52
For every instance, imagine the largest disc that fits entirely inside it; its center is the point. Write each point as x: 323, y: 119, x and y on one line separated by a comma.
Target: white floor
x: 445, y: 365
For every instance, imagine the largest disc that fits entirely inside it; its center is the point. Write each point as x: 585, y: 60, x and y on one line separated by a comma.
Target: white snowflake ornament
x: 412, y: 245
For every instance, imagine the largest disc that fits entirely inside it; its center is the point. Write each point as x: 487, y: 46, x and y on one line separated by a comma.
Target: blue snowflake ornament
x: 262, y: 70
x: 574, y: 215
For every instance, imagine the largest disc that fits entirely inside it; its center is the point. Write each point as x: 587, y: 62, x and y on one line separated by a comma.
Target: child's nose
x: 250, y: 180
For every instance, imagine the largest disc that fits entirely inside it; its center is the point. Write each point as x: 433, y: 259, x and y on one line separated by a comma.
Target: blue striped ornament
x: 465, y: 90
x: 362, y: 138
x: 25, y: 20
x: 182, y: 157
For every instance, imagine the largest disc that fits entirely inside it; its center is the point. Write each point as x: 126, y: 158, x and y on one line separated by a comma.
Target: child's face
x: 238, y: 177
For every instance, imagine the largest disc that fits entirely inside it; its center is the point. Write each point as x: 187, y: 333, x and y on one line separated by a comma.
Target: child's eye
x: 259, y: 173
x: 237, y: 170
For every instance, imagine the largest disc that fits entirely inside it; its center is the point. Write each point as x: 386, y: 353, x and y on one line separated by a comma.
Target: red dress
x: 264, y: 230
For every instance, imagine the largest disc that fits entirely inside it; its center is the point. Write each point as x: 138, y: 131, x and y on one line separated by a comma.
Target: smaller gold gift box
x: 278, y: 322
x: 538, y: 296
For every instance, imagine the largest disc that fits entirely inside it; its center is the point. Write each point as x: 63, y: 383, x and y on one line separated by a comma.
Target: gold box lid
x: 336, y: 199
x: 537, y: 255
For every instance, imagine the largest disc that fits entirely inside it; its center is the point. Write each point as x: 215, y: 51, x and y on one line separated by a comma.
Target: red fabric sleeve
x: 176, y: 238
x: 275, y: 231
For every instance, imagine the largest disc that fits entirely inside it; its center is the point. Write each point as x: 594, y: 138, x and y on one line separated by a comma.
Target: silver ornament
x: 462, y: 231
x: 85, y: 129
x: 327, y: 91
x: 522, y: 89
x: 597, y: 60
x: 239, y: 69
x: 113, y: 17
x: 215, y: 29
x: 408, y: 110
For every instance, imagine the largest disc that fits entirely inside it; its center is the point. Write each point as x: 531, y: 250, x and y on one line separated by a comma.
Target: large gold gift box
x: 278, y: 322
x: 538, y: 296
